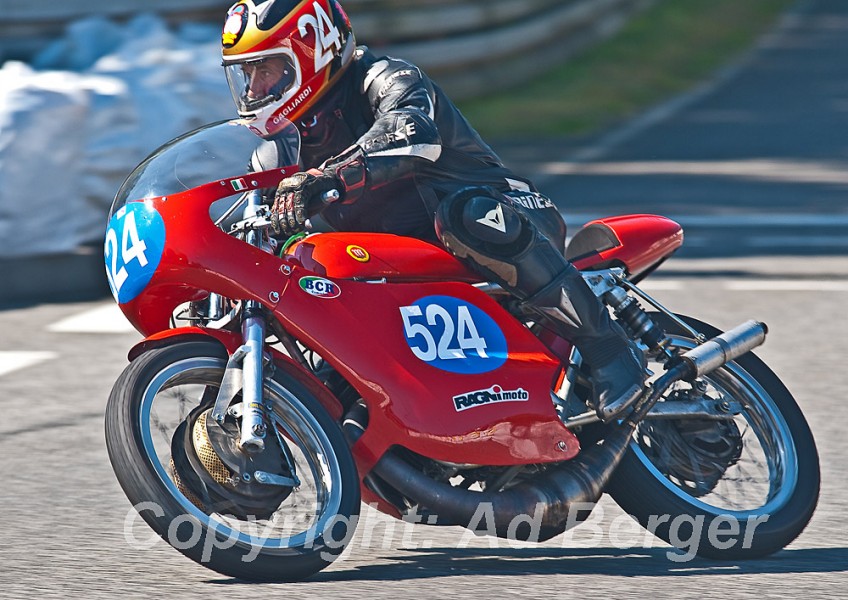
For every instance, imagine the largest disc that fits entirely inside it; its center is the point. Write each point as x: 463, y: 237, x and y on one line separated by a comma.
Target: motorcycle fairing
x: 411, y: 401
x: 198, y: 257
x: 360, y: 332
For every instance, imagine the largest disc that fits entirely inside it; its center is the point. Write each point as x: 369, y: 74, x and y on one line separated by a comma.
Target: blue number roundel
x: 135, y: 239
x: 453, y: 335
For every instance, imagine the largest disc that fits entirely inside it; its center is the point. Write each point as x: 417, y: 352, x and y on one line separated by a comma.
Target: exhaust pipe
x: 723, y: 348
x: 531, y: 511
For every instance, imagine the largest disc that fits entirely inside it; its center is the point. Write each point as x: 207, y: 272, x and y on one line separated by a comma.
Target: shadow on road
x: 641, y: 562
x: 434, y: 563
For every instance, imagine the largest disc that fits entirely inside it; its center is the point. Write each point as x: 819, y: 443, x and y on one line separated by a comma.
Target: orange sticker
x: 358, y: 253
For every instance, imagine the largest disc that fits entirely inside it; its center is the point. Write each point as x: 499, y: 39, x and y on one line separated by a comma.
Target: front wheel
x: 742, y: 487
x: 224, y: 520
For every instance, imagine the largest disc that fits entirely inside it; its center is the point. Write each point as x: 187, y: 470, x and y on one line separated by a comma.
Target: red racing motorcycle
x: 279, y: 385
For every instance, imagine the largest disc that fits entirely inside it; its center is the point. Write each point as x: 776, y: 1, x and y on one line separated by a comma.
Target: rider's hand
x: 300, y: 196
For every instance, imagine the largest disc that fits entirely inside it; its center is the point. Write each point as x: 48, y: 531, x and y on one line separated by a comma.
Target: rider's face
x: 263, y: 76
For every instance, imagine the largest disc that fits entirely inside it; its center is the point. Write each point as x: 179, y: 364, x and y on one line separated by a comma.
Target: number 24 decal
x: 132, y: 248
x: 327, y: 35
x: 134, y: 244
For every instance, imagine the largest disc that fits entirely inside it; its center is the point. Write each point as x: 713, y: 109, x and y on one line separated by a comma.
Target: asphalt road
x: 740, y: 163
x: 67, y: 530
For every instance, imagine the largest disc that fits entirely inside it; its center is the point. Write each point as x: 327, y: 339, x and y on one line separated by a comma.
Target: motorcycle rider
x: 405, y: 161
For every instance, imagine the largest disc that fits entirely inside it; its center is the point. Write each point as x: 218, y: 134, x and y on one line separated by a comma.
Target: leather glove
x: 299, y: 196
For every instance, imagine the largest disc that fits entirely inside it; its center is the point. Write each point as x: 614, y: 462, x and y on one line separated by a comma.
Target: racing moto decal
x: 452, y: 335
x: 489, y: 396
x: 319, y: 287
x: 135, y: 239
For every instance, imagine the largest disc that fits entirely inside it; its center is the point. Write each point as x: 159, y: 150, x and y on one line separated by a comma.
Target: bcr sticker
x: 319, y: 287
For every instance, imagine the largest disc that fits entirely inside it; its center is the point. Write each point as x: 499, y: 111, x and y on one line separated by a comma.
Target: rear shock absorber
x: 630, y: 312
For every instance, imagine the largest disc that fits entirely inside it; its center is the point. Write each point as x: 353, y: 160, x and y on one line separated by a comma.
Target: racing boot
x: 616, y: 364
x: 493, y: 235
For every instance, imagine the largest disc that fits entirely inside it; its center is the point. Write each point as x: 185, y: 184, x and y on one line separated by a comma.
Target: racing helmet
x: 282, y: 56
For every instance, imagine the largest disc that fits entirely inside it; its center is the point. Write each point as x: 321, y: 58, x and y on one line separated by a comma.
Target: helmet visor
x: 260, y: 82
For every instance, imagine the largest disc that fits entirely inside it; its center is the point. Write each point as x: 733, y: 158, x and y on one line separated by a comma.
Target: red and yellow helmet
x: 282, y: 56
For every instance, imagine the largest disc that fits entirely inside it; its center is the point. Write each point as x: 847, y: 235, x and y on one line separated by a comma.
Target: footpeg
x: 619, y: 385
x: 613, y: 410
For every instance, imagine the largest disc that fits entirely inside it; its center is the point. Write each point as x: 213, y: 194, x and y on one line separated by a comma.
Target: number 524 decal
x: 453, y: 335
x: 135, y: 239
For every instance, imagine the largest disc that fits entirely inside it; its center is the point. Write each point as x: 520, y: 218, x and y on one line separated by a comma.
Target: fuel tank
x: 377, y: 256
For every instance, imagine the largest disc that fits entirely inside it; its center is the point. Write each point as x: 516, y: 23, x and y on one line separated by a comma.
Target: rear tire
x: 224, y: 544
x: 665, y: 507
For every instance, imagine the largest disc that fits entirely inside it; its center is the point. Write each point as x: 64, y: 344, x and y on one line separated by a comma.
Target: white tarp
x: 93, y: 105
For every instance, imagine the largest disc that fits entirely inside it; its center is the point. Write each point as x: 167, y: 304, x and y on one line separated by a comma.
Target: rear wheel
x: 298, y: 531
x: 737, y: 488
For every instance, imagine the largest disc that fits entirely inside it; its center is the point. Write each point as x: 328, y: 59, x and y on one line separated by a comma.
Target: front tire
x: 308, y: 530
x: 729, y: 510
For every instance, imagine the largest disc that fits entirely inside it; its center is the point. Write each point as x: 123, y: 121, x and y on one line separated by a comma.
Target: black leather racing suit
x: 416, y: 167
x: 417, y: 148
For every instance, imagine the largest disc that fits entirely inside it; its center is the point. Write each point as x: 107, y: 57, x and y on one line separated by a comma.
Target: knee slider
x: 496, y: 240
x: 478, y: 219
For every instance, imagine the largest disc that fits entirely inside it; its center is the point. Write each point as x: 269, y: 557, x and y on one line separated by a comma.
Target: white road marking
x: 13, y: 361
x: 827, y: 172
x: 106, y: 318
x: 696, y: 229
x: 789, y: 220
x: 661, y: 284
x: 777, y: 241
x: 786, y: 285
x: 752, y: 285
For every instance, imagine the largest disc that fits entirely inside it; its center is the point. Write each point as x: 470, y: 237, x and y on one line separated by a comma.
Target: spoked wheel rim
x: 311, y: 507
x: 763, y: 477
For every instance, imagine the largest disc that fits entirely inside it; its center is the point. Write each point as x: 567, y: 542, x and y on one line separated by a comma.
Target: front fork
x: 253, y: 427
x: 245, y: 368
x: 245, y: 371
